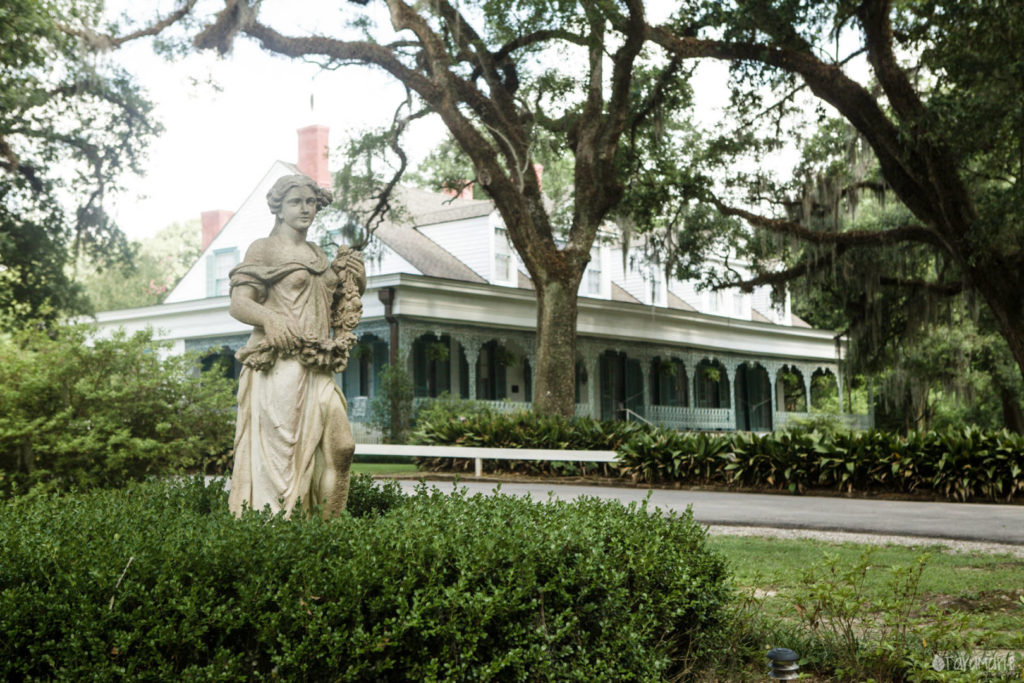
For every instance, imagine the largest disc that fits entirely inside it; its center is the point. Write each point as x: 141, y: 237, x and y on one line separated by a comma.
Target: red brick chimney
x: 213, y: 222
x: 313, y: 154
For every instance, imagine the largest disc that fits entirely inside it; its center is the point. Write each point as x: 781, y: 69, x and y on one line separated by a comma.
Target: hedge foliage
x: 77, y: 412
x: 158, y: 582
x: 956, y: 464
x: 485, y: 428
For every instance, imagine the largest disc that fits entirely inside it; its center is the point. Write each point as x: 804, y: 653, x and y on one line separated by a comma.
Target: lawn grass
x: 986, y: 587
x: 383, y: 468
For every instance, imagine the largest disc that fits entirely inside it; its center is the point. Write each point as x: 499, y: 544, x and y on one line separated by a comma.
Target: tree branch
x: 903, y: 167
x: 382, y: 206
x: 105, y: 42
x: 859, y: 238
x: 807, y: 267
x: 939, y: 288
x: 874, y: 17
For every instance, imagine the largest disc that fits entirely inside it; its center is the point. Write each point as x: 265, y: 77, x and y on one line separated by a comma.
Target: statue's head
x: 287, y: 183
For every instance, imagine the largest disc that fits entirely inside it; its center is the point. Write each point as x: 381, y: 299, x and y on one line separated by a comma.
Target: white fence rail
x: 479, y: 454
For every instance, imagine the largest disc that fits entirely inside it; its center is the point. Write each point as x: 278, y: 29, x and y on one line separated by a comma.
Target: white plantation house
x: 448, y: 298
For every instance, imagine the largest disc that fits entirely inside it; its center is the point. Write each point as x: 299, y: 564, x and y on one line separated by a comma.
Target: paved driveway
x: 964, y: 521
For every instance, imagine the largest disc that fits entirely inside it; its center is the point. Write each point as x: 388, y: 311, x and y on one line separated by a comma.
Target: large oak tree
x: 943, y: 115
x: 502, y: 76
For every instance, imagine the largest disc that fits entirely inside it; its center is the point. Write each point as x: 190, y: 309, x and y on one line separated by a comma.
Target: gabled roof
x: 430, y: 208
x: 423, y: 253
x: 420, y: 208
x: 620, y: 294
x: 676, y: 302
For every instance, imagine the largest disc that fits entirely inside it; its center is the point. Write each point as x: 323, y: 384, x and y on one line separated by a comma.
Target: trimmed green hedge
x: 956, y: 464
x: 158, y: 582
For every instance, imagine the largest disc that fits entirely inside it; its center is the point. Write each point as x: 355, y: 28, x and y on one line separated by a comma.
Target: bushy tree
x: 156, y: 265
x: 391, y: 408
x: 78, y: 411
x: 71, y: 124
x: 941, y: 113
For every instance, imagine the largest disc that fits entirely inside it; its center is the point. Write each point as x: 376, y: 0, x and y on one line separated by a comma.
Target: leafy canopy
x: 71, y: 124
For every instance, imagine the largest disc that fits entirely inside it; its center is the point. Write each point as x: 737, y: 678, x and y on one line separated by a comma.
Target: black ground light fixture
x: 782, y: 664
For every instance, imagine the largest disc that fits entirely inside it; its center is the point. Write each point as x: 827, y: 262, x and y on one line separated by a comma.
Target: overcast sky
x: 218, y: 143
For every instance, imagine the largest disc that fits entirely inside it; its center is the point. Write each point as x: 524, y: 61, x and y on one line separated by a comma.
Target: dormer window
x: 657, y: 286
x: 592, y: 275
x: 502, y: 256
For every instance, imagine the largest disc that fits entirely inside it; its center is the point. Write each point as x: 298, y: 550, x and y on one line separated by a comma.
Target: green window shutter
x: 211, y: 275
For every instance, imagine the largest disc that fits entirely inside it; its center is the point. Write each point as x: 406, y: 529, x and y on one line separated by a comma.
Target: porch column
x: 406, y: 336
x: 772, y: 368
x: 691, y: 360
x: 731, y: 366
x: 530, y: 357
x: 839, y: 387
x: 472, y: 350
x: 807, y: 371
x: 645, y: 382
x: 590, y: 362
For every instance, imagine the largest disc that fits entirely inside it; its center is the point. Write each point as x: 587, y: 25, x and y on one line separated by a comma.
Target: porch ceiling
x: 440, y: 301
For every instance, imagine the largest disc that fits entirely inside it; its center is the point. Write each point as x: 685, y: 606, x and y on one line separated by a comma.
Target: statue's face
x: 298, y: 208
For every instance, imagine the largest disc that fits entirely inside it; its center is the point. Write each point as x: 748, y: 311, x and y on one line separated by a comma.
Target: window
x: 592, y: 275
x: 502, y: 256
x: 657, y: 286
x: 716, y: 302
x: 225, y: 262
x: 218, y: 268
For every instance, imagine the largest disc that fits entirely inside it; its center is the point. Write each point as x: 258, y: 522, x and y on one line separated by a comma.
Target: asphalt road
x: 961, y: 521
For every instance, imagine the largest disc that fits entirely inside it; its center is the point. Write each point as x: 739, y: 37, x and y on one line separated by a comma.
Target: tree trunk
x: 1013, y: 416
x: 554, y: 386
x: 1000, y: 286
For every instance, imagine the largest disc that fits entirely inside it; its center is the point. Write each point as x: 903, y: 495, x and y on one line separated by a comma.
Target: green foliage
x: 524, y: 429
x: 367, y: 497
x: 878, y: 638
x: 156, y: 266
x: 79, y: 412
x: 956, y: 465
x: 159, y: 582
x: 391, y: 408
x: 446, y: 407
x: 366, y: 191
x: 953, y: 464
x: 70, y: 126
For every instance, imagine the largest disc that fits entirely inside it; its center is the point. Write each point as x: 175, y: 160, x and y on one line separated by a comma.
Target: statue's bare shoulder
x: 260, y: 252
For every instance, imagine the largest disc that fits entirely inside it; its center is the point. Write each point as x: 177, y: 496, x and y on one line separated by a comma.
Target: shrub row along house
x: 448, y: 298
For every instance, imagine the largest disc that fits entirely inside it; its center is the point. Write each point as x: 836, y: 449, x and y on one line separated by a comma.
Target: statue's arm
x: 279, y: 330
x: 282, y: 332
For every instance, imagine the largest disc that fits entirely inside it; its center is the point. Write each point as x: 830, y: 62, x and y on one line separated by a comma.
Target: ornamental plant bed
x: 956, y: 465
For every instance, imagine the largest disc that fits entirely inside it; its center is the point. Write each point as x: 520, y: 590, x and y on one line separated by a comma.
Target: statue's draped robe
x: 290, y: 410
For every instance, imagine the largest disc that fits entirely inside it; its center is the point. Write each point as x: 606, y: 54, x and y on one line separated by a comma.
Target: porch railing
x: 681, y: 417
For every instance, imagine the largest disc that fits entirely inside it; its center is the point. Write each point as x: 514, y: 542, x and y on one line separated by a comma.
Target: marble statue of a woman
x: 293, y: 441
